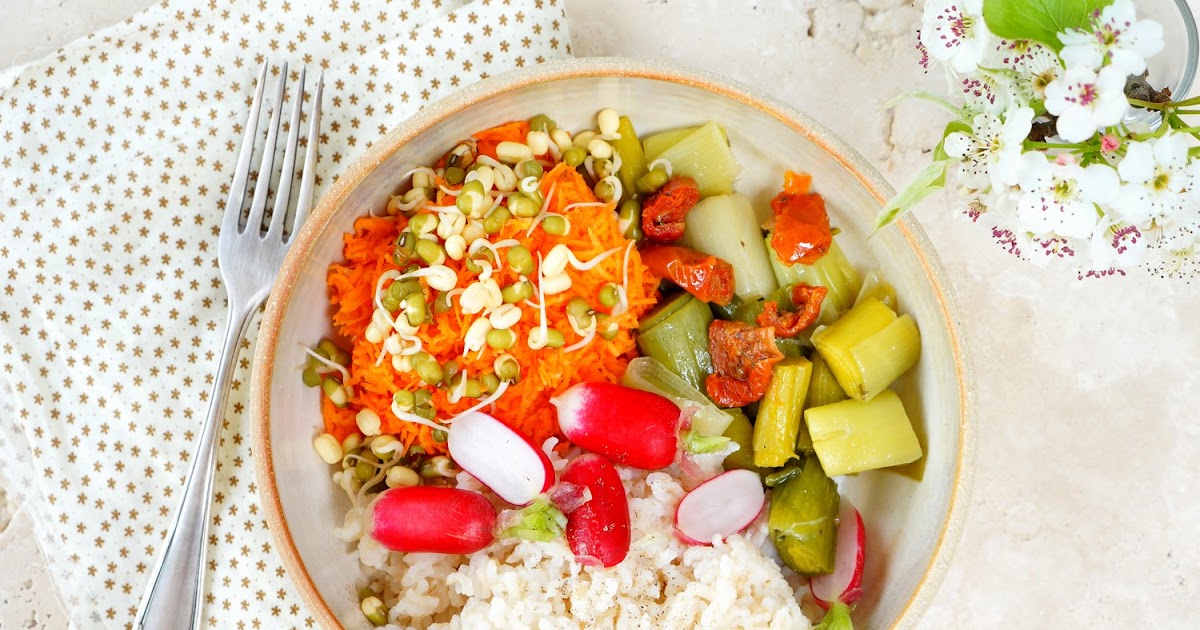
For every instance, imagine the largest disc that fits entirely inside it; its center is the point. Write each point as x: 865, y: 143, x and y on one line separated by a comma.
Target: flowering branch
x: 1058, y: 141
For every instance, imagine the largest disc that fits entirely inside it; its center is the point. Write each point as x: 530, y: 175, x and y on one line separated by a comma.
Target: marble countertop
x: 1084, y: 509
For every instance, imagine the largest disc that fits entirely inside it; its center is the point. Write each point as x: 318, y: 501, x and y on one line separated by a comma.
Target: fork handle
x: 174, y: 595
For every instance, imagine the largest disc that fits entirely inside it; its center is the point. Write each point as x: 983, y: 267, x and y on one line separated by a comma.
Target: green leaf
x: 926, y: 95
x: 939, y: 152
x: 838, y: 618
x: 538, y: 521
x: 1039, y: 20
x: 698, y: 444
x: 930, y: 179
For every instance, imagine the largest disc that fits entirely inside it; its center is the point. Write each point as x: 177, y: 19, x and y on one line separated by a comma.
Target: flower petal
x: 1075, y: 124
x: 1138, y: 165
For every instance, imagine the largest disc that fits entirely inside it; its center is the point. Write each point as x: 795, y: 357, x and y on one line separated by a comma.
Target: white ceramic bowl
x: 912, y: 526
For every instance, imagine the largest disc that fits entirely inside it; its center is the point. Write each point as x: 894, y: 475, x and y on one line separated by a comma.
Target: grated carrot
x: 569, y: 187
x: 545, y: 372
x: 487, y: 140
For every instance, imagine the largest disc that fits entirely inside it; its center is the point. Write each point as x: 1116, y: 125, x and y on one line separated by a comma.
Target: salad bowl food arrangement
x: 603, y: 343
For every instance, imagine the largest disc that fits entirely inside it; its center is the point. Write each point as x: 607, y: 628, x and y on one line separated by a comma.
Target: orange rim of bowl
x: 848, y: 158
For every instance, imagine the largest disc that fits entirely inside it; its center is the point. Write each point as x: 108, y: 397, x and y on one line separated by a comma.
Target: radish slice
x: 628, y: 426
x: 721, y: 506
x: 845, y: 583
x: 500, y: 457
x: 430, y: 519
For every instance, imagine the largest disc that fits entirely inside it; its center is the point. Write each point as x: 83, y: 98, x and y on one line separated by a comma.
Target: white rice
x: 662, y: 583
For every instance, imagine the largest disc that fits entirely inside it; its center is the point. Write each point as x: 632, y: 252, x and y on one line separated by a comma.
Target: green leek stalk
x: 726, y: 226
x: 791, y: 348
x: 647, y: 374
x: 704, y: 155
x: 726, y: 311
x: 852, y: 436
x: 803, y: 520
x: 741, y: 432
x: 656, y: 144
x: 749, y: 310
x: 676, y: 335
x: 868, y: 348
x: 874, y: 286
x: 832, y: 271
x: 777, y: 427
x: 824, y: 388
x: 633, y: 160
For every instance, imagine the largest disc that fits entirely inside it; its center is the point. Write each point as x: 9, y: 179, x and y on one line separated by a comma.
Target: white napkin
x: 115, y: 159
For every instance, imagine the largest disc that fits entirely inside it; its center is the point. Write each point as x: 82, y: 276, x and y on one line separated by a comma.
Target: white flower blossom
x: 990, y: 93
x: 953, y: 31
x: 1102, y: 204
x: 1085, y: 101
x: 1060, y: 199
x: 1174, y: 251
x: 1033, y: 66
x: 1116, y: 38
x: 1115, y: 246
x: 1159, y: 180
x: 991, y: 153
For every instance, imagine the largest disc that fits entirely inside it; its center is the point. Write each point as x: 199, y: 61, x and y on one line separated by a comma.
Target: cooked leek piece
x: 647, y: 374
x: 726, y: 227
x: 852, y: 436
x: 655, y: 144
x: 704, y: 156
x: 791, y: 348
x: 726, y: 311
x: 777, y: 427
x: 875, y: 286
x: 748, y: 311
x: 832, y: 271
x: 633, y: 161
x: 741, y: 432
x: 663, y: 140
x: 868, y: 348
x: 823, y: 389
x: 679, y: 339
x: 803, y: 519
x: 804, y: 443
x: 663, y: 310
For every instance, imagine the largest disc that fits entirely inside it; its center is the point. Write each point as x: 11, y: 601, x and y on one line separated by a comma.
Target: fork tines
x: 273, y: 225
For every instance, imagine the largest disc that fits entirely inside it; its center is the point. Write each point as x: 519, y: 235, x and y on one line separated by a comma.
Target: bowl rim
x: 601, y: 67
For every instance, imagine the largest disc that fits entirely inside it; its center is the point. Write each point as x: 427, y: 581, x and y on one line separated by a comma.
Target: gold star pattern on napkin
x: 116, y: 158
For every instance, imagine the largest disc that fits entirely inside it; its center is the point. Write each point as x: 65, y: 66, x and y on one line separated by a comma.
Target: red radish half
x: 628, y: 426
x: 845, y: 583
x: 598, y: 530
x: 721, y: 506
x: 429, y: 519
x: 500, y: 457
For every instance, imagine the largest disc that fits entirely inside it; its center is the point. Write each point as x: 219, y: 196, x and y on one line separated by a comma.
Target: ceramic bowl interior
x: 912, y: 525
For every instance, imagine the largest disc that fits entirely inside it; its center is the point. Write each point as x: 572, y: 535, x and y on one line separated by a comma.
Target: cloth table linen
x: 116, y: 159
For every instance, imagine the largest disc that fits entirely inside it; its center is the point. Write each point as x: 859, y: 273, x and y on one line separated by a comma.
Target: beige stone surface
x: 1084, y: 511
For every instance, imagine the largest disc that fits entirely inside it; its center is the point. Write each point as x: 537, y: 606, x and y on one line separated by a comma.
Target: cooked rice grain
x: 663, y: 583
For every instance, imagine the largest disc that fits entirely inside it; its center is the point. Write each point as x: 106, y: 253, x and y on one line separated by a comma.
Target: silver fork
x: 249, y: 259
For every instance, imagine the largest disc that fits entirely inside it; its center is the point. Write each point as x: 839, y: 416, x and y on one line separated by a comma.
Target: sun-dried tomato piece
x: 808, y: 302
x: 801, y: 232
x: 703, y: 275
x: 742, y: 359
x: 664, y: 212
x: 796, y: 183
